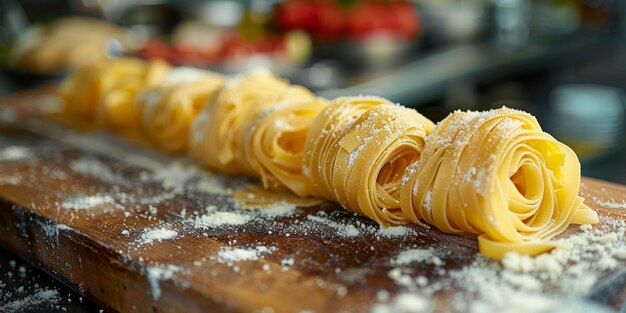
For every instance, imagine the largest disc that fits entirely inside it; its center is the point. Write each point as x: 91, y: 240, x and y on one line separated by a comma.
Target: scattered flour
x: 517, y: 283
x: 396, y: 231
x: 275, y: 211
x: 347, y: 230
x: 216, y: 219
x: 8, y: 114
x: 428, y: 200
x: 158, y: 273
x: 288, y: 262
x: 175, y: 175
x: 211, y: 185
x: 620, y: 253
x: 233, y: 255
x: 95, y: 168
x: 612, y: 204
x: 548, y: 282
x: 15, y: 153
x: 178, y: 174
x: 239, y: 216
x: 411, y: 256
x: 41, y: 296
x: 159, y: 234
x: 10, y: 180
x: 404, y: 303
x: 87, y: 202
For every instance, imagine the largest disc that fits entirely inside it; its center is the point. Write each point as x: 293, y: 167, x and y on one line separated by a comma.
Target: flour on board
x: 395, y: 231
x: 412, y: 256
x: 275, y: 211
x: 95, y: 168
x: 15, y: 153
x: 231, y: 256
x: 86, y: 202
x: 347, y: 230
x: 37, y: 298
x: 158, y: 234
x: 404, y: 303
x: 216, y: 219
x: 612, y: 204
x: 519, y: 283
x: 158, y: 273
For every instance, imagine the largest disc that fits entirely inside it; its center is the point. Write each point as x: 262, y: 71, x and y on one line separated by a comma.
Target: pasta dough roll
x: 82, y: 90
x: 291, y: 94
x: 218, y: 130
x: 322, y: 140
x: 117, y: 105
x: 167, y: 110
x: 498, y: 175
x: 275, y: 142
x: 105, y: 91
x: 358, y: 150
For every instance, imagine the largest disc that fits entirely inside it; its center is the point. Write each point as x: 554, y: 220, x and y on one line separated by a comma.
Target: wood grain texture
x: 98, y: 250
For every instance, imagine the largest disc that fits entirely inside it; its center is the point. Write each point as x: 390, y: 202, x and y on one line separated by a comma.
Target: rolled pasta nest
x: 497, y: 175
x: 357, y: 151
x: 275, y: 140
x: 105, y: 91
x: 217, y: 132
x: 168, y: 109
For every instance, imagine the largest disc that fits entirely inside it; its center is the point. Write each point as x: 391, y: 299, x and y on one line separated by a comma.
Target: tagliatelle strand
x: 498, y: 175
x: 291, y: 94
x: 105, y: 91
x: 217, y: 131
x: 321, y: 144
x: 168, y: 109
x: 360, y: 164
x: 274, y: 144
x: 116, y: 107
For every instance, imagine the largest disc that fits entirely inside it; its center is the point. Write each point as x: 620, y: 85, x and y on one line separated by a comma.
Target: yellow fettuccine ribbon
x: 217, y: 132
x: 497, y: 175
x: 291, y: 94
x: 275, y: 141
x: 357, y: 151
x: 105, y: 91
x: 168, y: 109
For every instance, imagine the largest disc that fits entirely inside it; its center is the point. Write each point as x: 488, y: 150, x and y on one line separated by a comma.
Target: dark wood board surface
x: 85, y: 206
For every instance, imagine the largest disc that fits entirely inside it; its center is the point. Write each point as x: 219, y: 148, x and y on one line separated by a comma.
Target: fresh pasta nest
x: 218, y: 130
x: 105, y: 91
x: 357, y: 151
x: 167, y: 110
x: 497, y: 175
x: 275, y: 141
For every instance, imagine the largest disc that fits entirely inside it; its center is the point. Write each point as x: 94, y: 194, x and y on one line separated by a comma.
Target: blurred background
x: 562, y: 60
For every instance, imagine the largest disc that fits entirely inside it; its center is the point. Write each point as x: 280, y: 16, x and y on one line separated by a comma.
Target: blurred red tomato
x: 330, y: 20
x: 405, y: 19
x: 363, y: 21
x: 156, y: 49
x: 326, y: 20
x: 229, y: 46
x: 296, y: 14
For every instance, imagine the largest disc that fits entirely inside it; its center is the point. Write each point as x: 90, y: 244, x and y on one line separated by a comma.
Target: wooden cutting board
x: 131, y: 231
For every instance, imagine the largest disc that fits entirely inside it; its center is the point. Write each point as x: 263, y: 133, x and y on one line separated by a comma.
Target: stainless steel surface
x: 427, y: 78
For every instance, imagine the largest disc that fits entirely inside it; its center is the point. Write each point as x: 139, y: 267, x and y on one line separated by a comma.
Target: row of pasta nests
x: 494, y: 174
